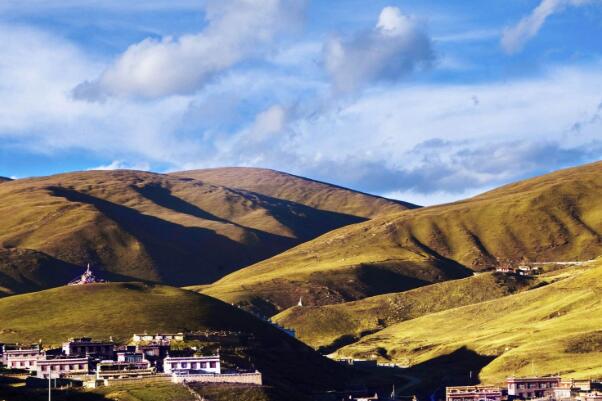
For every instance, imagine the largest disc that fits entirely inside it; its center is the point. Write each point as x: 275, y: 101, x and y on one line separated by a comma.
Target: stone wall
x: 242, y: 378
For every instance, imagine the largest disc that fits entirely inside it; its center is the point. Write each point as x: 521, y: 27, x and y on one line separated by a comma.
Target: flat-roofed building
x: 532, y: 387
x: 124, y: 368
x: 473, y: 393
x: 85, y: 346
x: 192, y: 364
x: 62, y: 367
x: 22, y: 358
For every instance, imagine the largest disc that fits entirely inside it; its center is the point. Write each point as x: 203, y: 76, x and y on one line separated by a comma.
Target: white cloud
x: 516, y: 36
x: 154, y: 68
x: 396, y: 46
x: 123, y: 165
x: 437, y: 138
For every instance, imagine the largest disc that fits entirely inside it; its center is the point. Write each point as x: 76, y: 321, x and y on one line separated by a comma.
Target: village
x: 89, y: 363
x: 552, y: 388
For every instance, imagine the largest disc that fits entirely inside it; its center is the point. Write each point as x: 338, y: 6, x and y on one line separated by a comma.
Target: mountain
x: 148, y: 226
x: 554, y: 329
x: 122, y: 309
x: 315, y: 194
x: 555, y: 217
x: 4, y: 179
x: 331, y: 326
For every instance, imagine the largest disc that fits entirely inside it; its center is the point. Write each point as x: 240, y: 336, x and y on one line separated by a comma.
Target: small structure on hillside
x: 87, y: 278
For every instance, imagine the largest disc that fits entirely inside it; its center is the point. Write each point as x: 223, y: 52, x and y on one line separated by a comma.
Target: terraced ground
x: 155, y: 227
x: 555, y: 217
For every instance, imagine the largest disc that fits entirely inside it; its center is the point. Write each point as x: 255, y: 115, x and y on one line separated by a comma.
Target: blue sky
x: 426, y: 101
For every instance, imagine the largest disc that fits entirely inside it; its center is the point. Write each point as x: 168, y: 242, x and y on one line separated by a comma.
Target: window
x: 184, y: 365
x: 203, y: 365
x: 213, y: 364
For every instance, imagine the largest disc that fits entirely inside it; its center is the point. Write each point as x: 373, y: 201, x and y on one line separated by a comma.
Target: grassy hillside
x: 550, y: 218
x: 554, y: 329
x: 153, y: 227
x: 332, y: 326
x: 315, y: 194
x: 121, y: 309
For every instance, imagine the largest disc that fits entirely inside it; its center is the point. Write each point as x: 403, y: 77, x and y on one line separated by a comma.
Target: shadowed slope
x: 302, y: 190
x: 152, y: 226
x: 554, y: 329
x: 335, y: 325
x: 550, y: 218
x: 4, y: 179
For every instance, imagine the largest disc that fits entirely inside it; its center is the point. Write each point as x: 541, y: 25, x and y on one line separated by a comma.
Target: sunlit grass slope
x: 554, y: 329
x: 121, y: 309
x: 330, y: 325
x: 153, y: 226
x: 549, y: 218
x: 315, y: 194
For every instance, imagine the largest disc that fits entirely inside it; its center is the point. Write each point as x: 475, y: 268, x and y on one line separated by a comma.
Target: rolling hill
x: 554, y: 329
x: 147, y: 226
x: 121, y: 309
x: 549, y: 218
x: 4, y: 179
x: 332, y: 326
x: 315, y: 194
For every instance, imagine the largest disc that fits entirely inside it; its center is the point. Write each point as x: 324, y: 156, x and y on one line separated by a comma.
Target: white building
x: 62, y: 367
x: 157, y: 338
x: 22, y: 358
x: 192, y: 364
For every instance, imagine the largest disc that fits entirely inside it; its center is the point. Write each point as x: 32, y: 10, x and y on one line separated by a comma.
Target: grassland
x: 554, y: 217
x: 121, y: 309
x: 315, y: 194
x: 332, y: 326
x: 554, y: 329
x: 12, y: 389
x: 153, y: 227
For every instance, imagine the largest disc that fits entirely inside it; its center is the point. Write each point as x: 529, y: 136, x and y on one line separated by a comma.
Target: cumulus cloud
x: 396, y: 46
x: 515, y: 37
x: 154, y: 68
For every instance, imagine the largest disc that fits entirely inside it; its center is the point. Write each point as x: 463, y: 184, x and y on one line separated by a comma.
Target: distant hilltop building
x: 87, y: 278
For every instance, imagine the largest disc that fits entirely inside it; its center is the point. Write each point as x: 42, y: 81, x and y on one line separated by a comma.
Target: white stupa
x: 86, y: 278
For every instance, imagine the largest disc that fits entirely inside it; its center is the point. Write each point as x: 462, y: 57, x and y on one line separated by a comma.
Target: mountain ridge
x: 153, y: 227
x: 553, y: 217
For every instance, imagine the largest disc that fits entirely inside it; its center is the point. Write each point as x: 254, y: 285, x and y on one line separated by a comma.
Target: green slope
x: 554, y: 329
x: 315, y: 194
x: 549, y: 218
x: 154, y: 227
x: 121, y: 309
x: 332, y: 326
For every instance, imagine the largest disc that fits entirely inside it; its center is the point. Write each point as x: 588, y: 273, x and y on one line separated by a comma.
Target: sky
x: 425, y: 101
